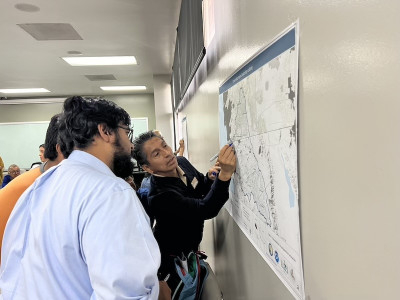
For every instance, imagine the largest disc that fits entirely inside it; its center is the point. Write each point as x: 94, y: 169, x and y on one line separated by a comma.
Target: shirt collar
x: 181, y: 175
x: 89, y: 159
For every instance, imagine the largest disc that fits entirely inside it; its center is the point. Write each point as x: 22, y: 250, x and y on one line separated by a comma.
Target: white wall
x: 137, y: 106
x: 163, y: 107
x: 348, y: 144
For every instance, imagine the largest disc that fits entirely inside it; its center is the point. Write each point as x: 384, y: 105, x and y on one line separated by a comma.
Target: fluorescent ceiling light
x: 22, y: 91
x: 124, y: 88
x: 101, y: 61
x: 32, y: 101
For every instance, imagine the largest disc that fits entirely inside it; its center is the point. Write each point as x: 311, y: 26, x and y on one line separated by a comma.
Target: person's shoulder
x: 87, y: 176
x: 32, y: 173
x: 157, y: 184
x: 186, y: 165
x: 182, y: 160
x: 110, y: 180
x: 162, y: 197
x: 23, y: 181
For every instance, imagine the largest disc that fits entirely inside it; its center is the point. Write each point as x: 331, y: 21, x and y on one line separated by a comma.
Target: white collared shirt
x: 79, y: 232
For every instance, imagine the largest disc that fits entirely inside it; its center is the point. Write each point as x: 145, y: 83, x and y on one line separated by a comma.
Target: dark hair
x: 138, y: 143
x: 82, y: 115
x: 50, y: 143
x: 42, y: 146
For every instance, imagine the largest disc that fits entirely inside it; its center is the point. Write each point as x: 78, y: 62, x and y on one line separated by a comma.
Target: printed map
x: 258, y: 113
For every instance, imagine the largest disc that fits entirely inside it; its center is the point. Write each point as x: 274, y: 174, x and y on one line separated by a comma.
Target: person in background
x: 142, y: 193
x: 146, y: 181
x: 41, y: 153
x: 1, y: 170
x: 157, y: 132
x: 13, y: 172
x: 10, y: 194
x: 82, y: 231
x: 41, y: 156
x: 180, y: 197
x: 131, y: 182
x: 181, y: 149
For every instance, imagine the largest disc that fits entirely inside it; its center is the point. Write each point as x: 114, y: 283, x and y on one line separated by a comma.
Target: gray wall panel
x: 348, y: 145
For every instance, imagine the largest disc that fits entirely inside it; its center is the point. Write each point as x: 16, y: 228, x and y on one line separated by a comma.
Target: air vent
x: 100, y: 77
x: 26, y: 7
x: 74, y: 52
x: 51, y: 31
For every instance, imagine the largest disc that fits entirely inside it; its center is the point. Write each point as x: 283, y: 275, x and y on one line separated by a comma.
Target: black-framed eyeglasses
x: 129, y: 132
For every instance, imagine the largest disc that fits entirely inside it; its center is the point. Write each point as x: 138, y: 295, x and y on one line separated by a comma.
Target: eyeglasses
x: 15, y: 172
x: 129, y: 132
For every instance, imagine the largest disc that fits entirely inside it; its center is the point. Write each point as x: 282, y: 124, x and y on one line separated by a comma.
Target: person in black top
x: 180, y: 197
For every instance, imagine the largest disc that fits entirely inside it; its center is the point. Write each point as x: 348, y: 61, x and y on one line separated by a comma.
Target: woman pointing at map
x: 181, y: 198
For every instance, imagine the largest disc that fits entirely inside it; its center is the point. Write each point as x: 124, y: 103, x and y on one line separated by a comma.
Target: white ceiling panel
x: 143, y: 28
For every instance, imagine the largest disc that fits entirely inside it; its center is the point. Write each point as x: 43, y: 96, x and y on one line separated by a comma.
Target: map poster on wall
x: 258, y: 113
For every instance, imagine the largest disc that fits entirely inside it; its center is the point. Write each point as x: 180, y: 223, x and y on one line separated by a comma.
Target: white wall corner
x: 163, y: 107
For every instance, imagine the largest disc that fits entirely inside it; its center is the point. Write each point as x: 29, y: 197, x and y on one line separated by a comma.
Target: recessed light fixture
x: 101, y: 61
x: 24, y: 91
x: 124, y: 88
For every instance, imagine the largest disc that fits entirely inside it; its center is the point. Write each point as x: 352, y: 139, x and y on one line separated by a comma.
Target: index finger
x: 223, y: 150
x: 226, y: 151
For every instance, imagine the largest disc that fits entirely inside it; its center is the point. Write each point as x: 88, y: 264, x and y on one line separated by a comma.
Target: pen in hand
x: 216, y: 155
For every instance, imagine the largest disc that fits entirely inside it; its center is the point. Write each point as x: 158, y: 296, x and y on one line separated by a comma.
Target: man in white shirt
x: 80, y: 232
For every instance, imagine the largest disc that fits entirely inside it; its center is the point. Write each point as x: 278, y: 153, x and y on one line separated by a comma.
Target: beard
x: 123, y: 164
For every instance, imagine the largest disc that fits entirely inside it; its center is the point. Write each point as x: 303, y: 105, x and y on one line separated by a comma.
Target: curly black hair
x: 50, y: 143
x: 80, y: 118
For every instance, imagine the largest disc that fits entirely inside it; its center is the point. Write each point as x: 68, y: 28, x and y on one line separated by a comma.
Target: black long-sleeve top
x: 180, y: 210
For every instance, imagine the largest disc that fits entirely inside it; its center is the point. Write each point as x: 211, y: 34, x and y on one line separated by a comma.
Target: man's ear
x: 104, y: 132
x: 60, y: 155
x: 147, y: 169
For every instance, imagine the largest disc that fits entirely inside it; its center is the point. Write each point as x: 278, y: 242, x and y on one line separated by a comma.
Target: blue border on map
x: 284, y: 43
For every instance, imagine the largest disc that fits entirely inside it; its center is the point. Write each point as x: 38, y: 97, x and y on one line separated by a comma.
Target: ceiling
x: 143, y: 28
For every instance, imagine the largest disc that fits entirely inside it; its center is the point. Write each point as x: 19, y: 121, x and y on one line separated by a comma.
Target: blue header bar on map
x: 284, y: 43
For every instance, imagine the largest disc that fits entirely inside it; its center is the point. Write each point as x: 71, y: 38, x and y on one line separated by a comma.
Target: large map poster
x: 258, y: 114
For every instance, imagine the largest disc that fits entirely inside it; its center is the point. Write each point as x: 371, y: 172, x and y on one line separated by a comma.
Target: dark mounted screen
x: 189, y: 48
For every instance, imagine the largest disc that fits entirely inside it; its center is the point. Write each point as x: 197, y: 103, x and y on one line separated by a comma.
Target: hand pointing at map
x: 227, y: 162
